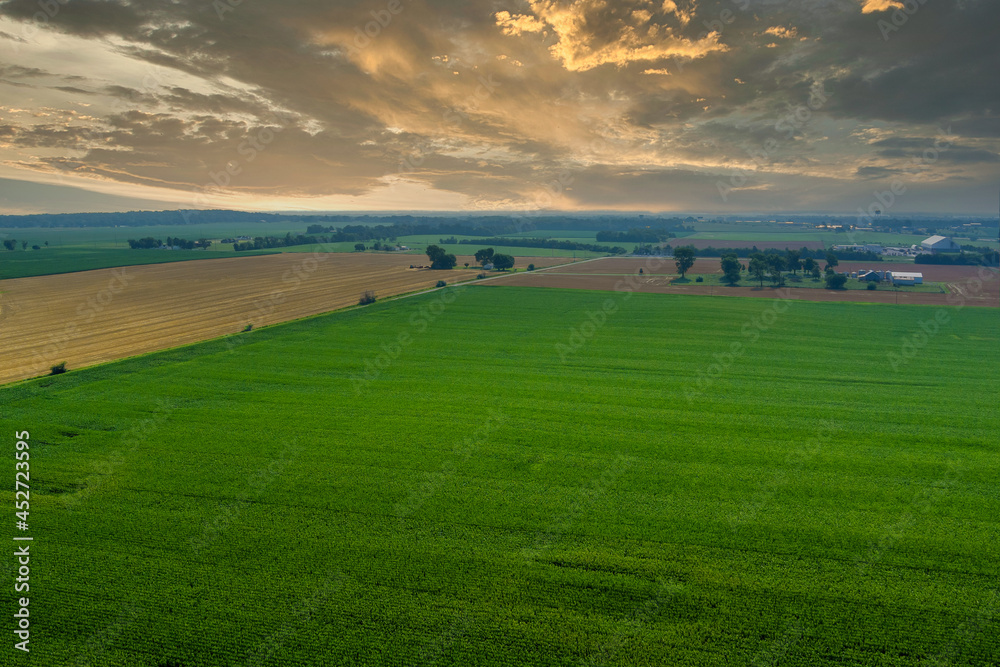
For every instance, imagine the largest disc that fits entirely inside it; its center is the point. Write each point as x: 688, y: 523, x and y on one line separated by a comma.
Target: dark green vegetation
x: 440, y: 259
x: 526, y: 476
x: 21, y: 264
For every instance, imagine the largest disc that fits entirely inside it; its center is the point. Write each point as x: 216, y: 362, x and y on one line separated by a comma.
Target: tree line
x: 149, y: 242
x: 986, y: 258
x: 745, y: 253
x: 553, y: 244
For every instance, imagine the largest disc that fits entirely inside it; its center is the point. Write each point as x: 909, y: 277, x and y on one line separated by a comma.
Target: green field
x: 117, y: 237
x: 85, y: 248
x: 774, y: 234
x: 524, y: 476
x: 22, y: 264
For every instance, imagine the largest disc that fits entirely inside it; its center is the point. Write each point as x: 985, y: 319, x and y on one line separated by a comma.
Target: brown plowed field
x: 97, y: 316
x: 968, y: 285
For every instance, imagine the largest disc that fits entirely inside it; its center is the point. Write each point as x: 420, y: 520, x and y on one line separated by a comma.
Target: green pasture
x: 511, y: 476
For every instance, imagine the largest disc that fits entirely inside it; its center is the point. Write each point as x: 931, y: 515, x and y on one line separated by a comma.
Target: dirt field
x: 965, y: 283
x: 97, y: 316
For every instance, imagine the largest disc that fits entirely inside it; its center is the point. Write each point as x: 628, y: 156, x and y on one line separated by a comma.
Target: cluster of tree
x: 548, y: 243
x: 265, y: 242
x: 144, y: 243
x: 648, y: 249
x: 772, y: 265
x: 440, y: 259
x: 184, y: 244
x: 499, y: 260
x: 641, y: 234
x: 987, y: 258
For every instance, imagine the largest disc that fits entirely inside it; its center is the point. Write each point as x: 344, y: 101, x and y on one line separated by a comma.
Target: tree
x: 831, y: 260
x: 731, y: 268
x: 24, y: 245
x: 502, y: 262
x: 808, y: 264
x: 792, y: 260
x: 10, y: 244
x: 440, y: 259
x: 836, y: 281
x: 758, y: 267
x: 684, y: 258
x: 775, y: 265
x: 359, y: 247
x: 484, y: 256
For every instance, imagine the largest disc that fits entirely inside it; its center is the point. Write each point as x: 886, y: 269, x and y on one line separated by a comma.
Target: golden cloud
x: 591, y: 33
x: 880, y: 6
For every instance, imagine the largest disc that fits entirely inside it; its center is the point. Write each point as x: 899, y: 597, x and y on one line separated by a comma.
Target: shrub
x: 58, y: 368
x: 441, y: 283
x: 36, y: 247
x: 367, y: 298
x: 480, y: 276
x: 411, y: 266
x: 836, y: 281
x: 248, y: 327
x: 872, y: 286
x: 531, y: 267
x: 699, y: 279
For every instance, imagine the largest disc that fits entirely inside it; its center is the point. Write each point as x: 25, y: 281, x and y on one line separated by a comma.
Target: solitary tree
x: 792, y: 260
x: 484, y: 256
x: 359, y: 247
x: 502, y: 262
x: 10, y: 244
x: 440, y: 259
x: 775, y: 265
x: 684, y: 258
x: 758, y: 267
x: 24, y: 245
x: 731, y: 268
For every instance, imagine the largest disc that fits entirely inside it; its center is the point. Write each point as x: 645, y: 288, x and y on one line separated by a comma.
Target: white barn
x: 901, y: 278
x: 937, y: 244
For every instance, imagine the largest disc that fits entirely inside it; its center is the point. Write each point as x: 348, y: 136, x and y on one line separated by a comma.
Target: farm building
x: 868, y: 247
x: 871, y: 276
x: 901, y: 278
x: 936, y: 244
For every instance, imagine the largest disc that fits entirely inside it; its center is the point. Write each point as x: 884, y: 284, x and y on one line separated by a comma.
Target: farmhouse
x: 901, y: 278
x: 936, y: 244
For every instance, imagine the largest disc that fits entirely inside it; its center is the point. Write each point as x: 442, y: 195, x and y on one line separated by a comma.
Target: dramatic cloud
x: 643, y: 104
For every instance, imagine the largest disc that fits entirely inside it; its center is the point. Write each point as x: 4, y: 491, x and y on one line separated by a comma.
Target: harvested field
x: 967, y: 285
x: 97, y: 316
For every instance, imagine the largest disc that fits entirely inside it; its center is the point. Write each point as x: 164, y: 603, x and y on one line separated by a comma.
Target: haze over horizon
x: 673, y: 105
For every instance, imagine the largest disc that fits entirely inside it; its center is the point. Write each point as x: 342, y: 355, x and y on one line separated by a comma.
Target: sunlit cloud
x: 447, y: 104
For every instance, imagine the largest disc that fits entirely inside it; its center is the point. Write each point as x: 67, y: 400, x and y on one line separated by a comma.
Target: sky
x: 636, y: 105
